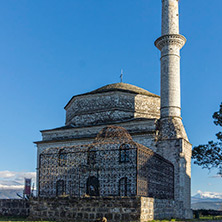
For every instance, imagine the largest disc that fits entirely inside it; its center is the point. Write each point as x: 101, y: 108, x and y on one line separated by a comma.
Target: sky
x: 53, y: 49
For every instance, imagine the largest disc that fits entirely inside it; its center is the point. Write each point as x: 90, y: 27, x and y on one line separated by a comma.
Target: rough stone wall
x: 14, y: 207
x: 178, y: 151
x: 147, y: 107
x: 115, y: 209
x: 86, y: 209
x: 110, y: 107
x: 171, y: 128
x: 100, y: 117
x: 76, y: 170
x: 156, y: 209
x: 142, y: 131
x: 155, y: 177
x: 132, y: 126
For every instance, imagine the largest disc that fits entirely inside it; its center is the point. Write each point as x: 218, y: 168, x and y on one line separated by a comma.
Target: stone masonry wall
x: 132, y: 126
x: 155, y: 176
x: 86, y: 209
x: 110, y: 107
x: 14, y: 207
x: 115, y: 209
x: 76, y: 170
x: 142, y: 131
x: 159, y: 209
x: 178, y: 151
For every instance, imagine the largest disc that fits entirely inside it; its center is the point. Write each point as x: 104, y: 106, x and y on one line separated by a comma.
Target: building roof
x: 123, y: 87
x: 113, y: 133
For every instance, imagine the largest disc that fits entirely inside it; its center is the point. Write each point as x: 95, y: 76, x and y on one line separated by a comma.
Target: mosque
x: 124, y: 141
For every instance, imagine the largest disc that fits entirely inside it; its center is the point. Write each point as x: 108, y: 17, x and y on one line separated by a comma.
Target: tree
x: 210, y: 155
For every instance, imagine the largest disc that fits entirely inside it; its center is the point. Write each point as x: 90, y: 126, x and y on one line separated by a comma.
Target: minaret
x: 170, y: 44
x: 172, y: 142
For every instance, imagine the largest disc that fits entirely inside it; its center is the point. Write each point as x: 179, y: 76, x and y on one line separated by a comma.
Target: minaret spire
x: 170, y: 44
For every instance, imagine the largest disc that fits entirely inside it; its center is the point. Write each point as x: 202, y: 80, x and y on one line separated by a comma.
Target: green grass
x: 207, y: 218
x: 212, y: 218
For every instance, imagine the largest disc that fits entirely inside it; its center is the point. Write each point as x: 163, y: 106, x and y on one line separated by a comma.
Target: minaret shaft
x: 170, y: 44
x: 170, y: 81
x: 170, y: 17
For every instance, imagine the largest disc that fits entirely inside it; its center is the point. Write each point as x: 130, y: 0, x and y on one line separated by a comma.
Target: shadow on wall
x: 155, y: 175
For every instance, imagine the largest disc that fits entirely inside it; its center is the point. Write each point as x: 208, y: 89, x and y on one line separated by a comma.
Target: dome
x: 124, y: 87
x: 113, y: 133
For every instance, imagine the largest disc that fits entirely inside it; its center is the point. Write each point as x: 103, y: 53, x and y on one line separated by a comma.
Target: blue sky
x: 53, y: 49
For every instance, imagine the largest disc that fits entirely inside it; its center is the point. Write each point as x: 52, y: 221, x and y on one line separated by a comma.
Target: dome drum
x: 112, y: 104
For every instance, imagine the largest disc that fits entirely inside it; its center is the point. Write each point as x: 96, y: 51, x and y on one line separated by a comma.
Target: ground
x: 205, y: 219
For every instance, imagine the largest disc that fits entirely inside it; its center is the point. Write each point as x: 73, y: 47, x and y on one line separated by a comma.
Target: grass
x: 207, y: 218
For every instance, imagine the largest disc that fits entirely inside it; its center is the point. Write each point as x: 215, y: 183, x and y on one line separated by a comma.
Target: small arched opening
x: 60, y: 187
x: 92, y: 186
x: 124, y: 187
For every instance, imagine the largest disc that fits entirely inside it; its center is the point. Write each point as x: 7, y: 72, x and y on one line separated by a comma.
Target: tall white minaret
x: 172, y: 142
x: 170, y: 44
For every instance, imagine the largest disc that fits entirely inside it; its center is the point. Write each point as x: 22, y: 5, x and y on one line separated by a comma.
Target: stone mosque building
x: 123, y: 141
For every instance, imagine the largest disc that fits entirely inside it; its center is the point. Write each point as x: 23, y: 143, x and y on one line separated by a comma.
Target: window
x: 92, y: 186
x: 62, y: 158
x: 124, y: 187
x: 60, y: 187
x: 124, y: 153
x: 91, y: 157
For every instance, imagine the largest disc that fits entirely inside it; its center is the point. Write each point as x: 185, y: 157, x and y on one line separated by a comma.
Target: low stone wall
x: 14, y: 207
x: 91, y: 208
x: 159, y: 209
x: 85, y: 209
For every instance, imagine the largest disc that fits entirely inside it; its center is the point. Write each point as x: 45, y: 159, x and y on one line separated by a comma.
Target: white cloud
x: 15, y: 180
x: 6, y: 174
x: 11, y: 187
x: 209, y: 194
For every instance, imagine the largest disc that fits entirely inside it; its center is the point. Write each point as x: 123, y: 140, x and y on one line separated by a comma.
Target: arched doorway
x: 124, y: 187
x: 60, y: 187
x: 92, y: 186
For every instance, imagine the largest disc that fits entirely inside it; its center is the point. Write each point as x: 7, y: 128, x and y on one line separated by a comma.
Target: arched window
x: 62, y: 158
x: 91, y: 159
x: 92, y: 186
x: 124, y: 153
x: 124, y: 187
x: 60, y: 187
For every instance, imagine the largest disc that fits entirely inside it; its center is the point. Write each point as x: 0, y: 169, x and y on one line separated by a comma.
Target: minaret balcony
x: 170, y: 39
